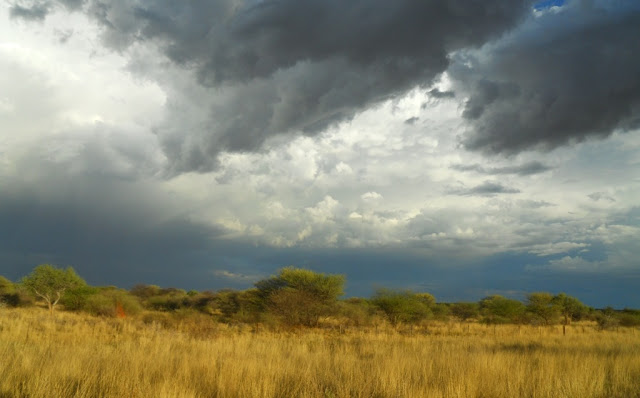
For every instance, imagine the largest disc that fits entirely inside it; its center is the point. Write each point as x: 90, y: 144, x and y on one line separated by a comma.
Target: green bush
x: 402, y: 306
x: 76, y: 299
x: 299, y: 297
x: 107, y: 301
x: 357, y: 311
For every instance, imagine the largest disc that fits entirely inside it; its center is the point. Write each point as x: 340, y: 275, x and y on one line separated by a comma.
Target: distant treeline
x: 298, y: 297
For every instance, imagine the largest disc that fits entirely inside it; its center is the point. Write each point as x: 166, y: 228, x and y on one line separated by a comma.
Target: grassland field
x: 77, y: 355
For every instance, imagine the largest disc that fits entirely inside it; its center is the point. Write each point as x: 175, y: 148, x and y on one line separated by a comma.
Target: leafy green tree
x: 543, y: 307
x: 7, y: 291
x: 112, y: 302
x: 402, y: 305
x: 50, y: 283
x: 629, y: 317
x: 299, y: 296
x: 6, y: 286
x: 357, y: 311
x: 145, y: 291
x: 465, y: 311
x: 497, y: 309
x: 569, y: 307
x: 237, y: 306
x: 607, y: 319
x: 75, y: 299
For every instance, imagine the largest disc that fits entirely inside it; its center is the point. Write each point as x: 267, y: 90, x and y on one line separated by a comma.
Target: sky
x: 462, y: 148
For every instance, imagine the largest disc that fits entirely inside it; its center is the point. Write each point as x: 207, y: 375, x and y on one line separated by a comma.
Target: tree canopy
x: 403, y: 305
x: 300, y: 296
x: 50, y: 283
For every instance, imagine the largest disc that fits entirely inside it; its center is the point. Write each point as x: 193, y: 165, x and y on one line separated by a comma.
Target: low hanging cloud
x: 562, y: 77
x: 34, y: 12
x: 487, y: 188
x: 524, y: 169
x: 262, y: 69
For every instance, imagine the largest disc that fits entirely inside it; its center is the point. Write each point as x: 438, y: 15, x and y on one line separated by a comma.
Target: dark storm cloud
x: 525, y: 169
x: 562, y: 77
x: 108, y: 230
x: 487, y: 188
x: 291, y: 66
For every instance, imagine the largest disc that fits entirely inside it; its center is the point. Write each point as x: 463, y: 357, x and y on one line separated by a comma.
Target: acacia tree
x: 570, y: 308
x: 300, y: 296
x: 6, y: 290
x: 50, y: 283
x: 403, y: 305
x: 542, y: 305
x: 498, y: 309
x: 464, y: 311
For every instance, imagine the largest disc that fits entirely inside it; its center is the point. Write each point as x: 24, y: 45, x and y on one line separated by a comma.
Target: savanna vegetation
x: 293, y: 336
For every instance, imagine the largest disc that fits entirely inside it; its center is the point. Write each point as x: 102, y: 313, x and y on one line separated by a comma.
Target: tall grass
x: 81, y: 356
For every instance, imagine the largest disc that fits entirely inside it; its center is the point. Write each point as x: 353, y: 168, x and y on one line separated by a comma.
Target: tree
x: 403, y: 305
x: 542, y: 305
x: 498, y: 309
x: 50, y: 283
x: 6, y: 290
x: 570, y: 308
x: 300, y: 296
x: 465, y: 311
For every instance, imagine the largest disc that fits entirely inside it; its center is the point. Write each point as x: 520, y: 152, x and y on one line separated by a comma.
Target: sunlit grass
x: 78, y: 355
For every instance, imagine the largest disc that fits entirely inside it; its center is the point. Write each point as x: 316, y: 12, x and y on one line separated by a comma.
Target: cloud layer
x: 562, y: 77
x: 285, y: 67
x: 438, y: 145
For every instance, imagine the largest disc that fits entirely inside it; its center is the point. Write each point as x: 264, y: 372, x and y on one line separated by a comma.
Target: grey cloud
x: 36, y: 11
x: 597, y: 196
x: 64, y: 35
x: 111, y: 231
x: 284, y: 67
x: 412, y: 120
x: 487, y: 188
x: 441, y: 94
x: 534, y: 204
x: 562, y: 77
x: 524, y: 169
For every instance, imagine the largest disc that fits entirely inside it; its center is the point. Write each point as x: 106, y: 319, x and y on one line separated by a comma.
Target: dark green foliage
x: 440, y: 311
x: 108, y: 301
x: 607, y: 319
x: 465, y: 311
x: 497, y: 309
x: 629, y: 317
x: 51, y: 283
x: 8, y: 294
x: 143, y: 291
x: 403, y: 306
x: 168, y: 300
x: 299, y: 296
x: 6, y: 286
x: 76, y: 299
x: 570, y: 308
x: 240, y: 306
x: 357, y: 311
x: 543, y: 307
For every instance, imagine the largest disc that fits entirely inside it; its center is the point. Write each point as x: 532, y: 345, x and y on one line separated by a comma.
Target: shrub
x: 107, y: 302
x: 402, y: 305
x: 76, y: 299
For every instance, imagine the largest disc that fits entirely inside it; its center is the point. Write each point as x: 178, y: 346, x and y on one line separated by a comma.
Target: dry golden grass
x: 80, y: 356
